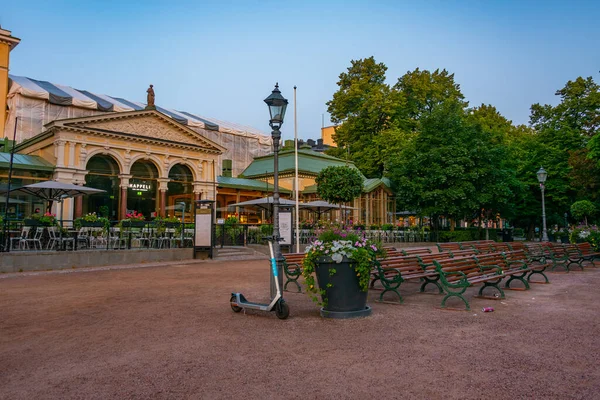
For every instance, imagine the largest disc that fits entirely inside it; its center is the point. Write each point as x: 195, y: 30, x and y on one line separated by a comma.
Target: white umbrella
x: 265, y: 202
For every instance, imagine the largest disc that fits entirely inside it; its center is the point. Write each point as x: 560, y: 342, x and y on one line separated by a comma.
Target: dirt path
x: 168, y: 332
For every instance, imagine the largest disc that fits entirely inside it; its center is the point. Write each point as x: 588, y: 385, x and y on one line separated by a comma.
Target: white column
x: 60, y: 153
x: 72, y: 154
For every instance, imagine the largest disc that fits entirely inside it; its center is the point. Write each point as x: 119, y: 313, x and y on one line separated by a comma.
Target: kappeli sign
x: 140, y: 187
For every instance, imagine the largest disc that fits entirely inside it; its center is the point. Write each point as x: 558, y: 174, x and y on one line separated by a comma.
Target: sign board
x: 220, y: 221
x: 203, y: 223
x: 285, y: 227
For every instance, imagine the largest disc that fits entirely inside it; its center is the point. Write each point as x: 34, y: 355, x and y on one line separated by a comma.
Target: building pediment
x: 147, y: 124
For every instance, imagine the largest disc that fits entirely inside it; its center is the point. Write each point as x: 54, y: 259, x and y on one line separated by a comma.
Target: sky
x: 221, y: 58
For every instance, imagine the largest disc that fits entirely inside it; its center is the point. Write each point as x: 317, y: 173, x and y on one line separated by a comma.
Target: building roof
x: 247, y: 184
x: 309, y: 163
x: 22, y: 161
x: 67, y: 96
x: 368, y: 185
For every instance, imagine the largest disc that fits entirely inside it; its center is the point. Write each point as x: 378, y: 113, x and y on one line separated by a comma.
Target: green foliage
x: 583, y: 209
x: 103, y: 211
x: 387, y: 227
x: 464, y: 235
x: 339, y: 184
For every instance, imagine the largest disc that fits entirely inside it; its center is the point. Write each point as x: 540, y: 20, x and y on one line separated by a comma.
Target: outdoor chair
x: 22, y: 239
x: 83, y: 237
x: 56, y: 238
x: 36, y: 240
x: 97, y: 237
x: 115, y: 241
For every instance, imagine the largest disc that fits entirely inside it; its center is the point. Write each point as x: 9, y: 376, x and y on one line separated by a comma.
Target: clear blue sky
x: 221, y: 58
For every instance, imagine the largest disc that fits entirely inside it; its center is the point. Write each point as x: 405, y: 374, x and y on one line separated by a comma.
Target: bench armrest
x: 454, y: 285
x: 292, y: 269
x: 496, y: 267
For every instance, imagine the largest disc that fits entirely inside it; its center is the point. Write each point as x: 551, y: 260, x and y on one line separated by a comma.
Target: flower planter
x: 32, y: 222
x: 344, y: 298
x: 95, y: 224
x: 134, y: 224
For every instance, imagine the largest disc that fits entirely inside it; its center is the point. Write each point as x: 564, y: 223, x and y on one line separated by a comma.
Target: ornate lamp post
x: 277, y: 106
x: 542, y: 175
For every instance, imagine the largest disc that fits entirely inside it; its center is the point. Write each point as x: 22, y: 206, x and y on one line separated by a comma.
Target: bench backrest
x: 585, y: 248
x: 489, y: 259
x: 471, y: 243
x: 466, y: 265
x: 448, y: 246
x: 516, y: 246
x: 417, y: 250
x: 405, y: 265
x: 463, y: 253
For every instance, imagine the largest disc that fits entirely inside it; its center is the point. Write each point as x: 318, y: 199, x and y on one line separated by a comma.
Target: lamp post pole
x: 277, y: 106
x: 542, y: 175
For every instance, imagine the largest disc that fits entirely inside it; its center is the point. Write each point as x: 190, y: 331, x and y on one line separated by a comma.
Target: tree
x: 434, y: 173
x: 363, y: 106
x: 583, y: 209
x: 339, y: 184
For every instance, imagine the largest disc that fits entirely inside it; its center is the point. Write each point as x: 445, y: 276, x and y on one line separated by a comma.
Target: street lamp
x: 542, y: 175
x: 277, y: 106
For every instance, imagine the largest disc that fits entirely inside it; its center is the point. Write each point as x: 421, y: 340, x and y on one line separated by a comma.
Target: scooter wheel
x: 282, y: 310
x: 233, y: 307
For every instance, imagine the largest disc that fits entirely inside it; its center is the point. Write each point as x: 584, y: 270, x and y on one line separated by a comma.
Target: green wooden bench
x: 587, y: 253
x: 512, y: 268
x: 292, y: 269
x: 458, y: 274
x: 565, y: 255
x: 416, y: 251
x: 535, y: 266
x: 391, y: 273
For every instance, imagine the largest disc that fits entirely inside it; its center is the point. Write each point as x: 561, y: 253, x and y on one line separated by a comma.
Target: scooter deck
x: 257, y: 306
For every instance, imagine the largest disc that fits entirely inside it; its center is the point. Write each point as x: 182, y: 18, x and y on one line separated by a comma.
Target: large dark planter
x: 95, y: 224
x: 134, y: 224
x: 32, y: 222
x: 345, y: 299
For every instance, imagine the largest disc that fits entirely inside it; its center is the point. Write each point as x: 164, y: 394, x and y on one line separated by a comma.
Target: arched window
x: 142, y: 193
x: 180, y: 189
x: 103, y: 174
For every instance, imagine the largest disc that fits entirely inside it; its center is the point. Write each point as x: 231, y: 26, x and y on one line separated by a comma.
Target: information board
x: 285, y: 227
x: 203, y: 227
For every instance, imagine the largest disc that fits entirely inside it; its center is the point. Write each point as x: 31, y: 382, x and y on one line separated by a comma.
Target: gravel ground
x: 168, y: 332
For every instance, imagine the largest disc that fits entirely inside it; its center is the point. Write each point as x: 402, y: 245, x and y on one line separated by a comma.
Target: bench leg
x: 540, y: 272
x: 494, y: 284
x: 427, y: 281
x: 295, y: 281
x: 519, y: 278
x: 564, y: 264
x: 394, y: 290
x: 460, y: 296
x: 572, y: 262
x: 375, y: 279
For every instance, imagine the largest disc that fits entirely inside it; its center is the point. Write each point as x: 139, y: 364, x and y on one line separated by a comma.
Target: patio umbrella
x: 54, y: 191
x: 265, y: 202
x: 320, y: 206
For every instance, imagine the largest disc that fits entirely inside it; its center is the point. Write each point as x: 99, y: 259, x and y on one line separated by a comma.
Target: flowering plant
x: 135, y: 216
x: 48, y: 219
x: 338, y: 243
x: 584, y: 233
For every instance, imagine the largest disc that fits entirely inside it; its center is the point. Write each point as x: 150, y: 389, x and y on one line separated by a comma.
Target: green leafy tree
x: 434, y: 173
x: 363, y: 106
x: 339, y: 184
x: 583, y: 209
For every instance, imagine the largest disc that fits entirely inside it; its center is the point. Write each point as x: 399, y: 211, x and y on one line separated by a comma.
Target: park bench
x: 292, y: 269
x: 587, y: 253
x: 416, y: 251
x: 499, y: 247
x: 463, y: 253
x: 513, y: 268
x: 565, y: 255
x: 391, y: 273
x: 443, y: 247
x: 513, y: 246
x: 483, y: 247
x: 458, y: 274
x: 535, y: 266
x: 471, y: 243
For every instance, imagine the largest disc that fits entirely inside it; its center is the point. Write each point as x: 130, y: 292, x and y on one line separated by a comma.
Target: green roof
x: 309, y: 162
x: 23, y: 161
x: 247, y: 184
x: 368, y: 185
x: 373, y: 183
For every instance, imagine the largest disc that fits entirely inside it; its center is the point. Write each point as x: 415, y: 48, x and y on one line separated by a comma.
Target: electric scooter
x: 278, y: 304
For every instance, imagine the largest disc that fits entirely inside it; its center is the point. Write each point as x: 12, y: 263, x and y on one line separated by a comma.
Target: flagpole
x: 296, y: 185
